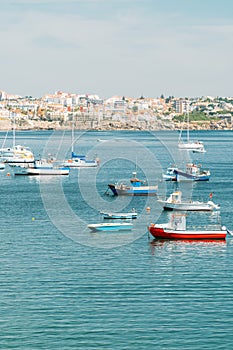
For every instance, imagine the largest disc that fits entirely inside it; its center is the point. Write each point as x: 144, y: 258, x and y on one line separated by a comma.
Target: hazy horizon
x: 128, y: 48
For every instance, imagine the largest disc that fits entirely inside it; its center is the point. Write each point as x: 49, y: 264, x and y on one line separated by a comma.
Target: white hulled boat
x: 40, y: 167
x: 189, y: 145
x: 175, y: 202
x: 110, y: 227
x: 17, y: 154
x: 79, y: 161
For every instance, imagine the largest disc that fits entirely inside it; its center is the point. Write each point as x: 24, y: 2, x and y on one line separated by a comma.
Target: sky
x: 181, y: 48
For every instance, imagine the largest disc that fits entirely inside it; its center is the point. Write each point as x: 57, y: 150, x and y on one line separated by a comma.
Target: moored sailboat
x: 78, y: 161
x: 190, y: 145
x: 17, y: 154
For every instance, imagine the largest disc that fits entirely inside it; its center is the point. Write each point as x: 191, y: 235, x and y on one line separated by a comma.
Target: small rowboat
x: 129, y: 215
x: 110, y: 227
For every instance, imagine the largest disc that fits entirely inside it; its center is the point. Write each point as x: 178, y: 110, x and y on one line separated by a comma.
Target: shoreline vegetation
x: 87, y: 123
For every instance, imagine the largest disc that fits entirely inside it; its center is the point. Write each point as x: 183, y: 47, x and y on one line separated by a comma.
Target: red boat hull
x: 159, y: 232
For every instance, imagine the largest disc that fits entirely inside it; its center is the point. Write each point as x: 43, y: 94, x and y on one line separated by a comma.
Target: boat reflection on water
x: 158, y: 243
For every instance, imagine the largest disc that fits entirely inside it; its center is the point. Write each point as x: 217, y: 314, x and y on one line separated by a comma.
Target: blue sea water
x: 63, y: 287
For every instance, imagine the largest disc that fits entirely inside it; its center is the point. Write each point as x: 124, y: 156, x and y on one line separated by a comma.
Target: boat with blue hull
x: 129, y: 215
x: 192, y: 172
x: 110, y: 227
x: 137, y: 188
x: 40, y: 167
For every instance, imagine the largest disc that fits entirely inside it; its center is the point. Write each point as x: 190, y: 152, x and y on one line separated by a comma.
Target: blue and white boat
x: 137, y: 188
x: 110, y: 227
x: 170, y: 174
x: 80, y: 161
x: 40, y: 167
x: 193, y: 172
x: 129, y: 215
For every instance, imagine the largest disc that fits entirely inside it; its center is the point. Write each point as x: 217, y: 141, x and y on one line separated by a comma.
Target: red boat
x: 176, y: 229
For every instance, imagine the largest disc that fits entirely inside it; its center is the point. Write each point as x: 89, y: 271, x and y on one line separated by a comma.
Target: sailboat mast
x: 13, y: 130
x: 72, y: 132
x: 188, y: 127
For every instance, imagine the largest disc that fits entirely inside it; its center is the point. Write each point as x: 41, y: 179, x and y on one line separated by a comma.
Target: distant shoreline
x: 109, y: 125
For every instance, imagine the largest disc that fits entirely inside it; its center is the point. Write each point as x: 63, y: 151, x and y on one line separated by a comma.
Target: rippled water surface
x: 63, y: 287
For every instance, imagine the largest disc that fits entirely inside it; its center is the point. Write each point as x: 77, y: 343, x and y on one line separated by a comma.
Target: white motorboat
x: 175, y: 202
x: 170, y: 174
x: 110, y: 227
x: 40, y: 167
x: 17, y: 155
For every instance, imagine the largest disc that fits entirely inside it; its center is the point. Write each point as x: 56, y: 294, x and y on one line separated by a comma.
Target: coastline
x: 109, y: 124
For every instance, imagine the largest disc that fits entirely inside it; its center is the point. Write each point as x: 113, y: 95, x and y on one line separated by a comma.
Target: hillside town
x: 91, y: 112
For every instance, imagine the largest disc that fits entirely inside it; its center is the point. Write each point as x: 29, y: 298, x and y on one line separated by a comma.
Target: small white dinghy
x: 110, y: 227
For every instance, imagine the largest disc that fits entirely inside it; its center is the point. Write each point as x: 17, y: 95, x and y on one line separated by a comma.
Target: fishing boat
x: 40, y: 167
x: 129, y: 215
x: 175, y: 202
x: 137, y: 188
x: 176, y: 229
x: 79, y: 161
x: 110, y: 227
x: 188, y: 145
x: 193, y: 172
